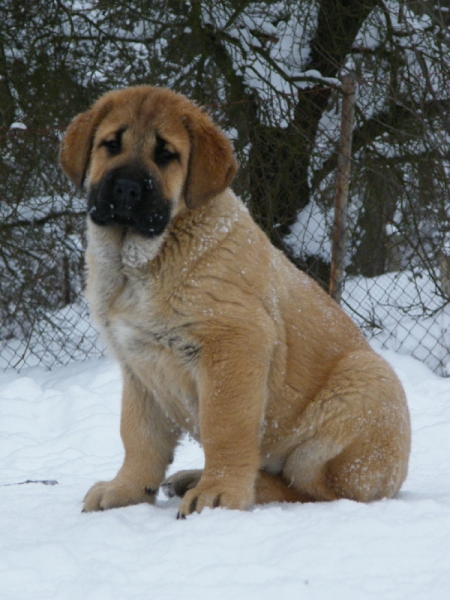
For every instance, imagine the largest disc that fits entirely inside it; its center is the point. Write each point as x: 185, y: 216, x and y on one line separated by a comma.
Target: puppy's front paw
x: 112, y: 494
x: 216, y: 494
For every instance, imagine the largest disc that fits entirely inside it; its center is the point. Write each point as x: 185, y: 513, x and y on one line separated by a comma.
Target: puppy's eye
x: 163, y: 156
x: 112, y: 146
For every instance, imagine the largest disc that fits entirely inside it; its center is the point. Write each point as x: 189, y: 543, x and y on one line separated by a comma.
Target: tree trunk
x: 375, y: 253
x: 279, y: 159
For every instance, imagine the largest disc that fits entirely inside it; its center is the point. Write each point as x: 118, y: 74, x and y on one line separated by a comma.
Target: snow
x: 310, y: 234
x: 18, y: 126
x: 63, y: 425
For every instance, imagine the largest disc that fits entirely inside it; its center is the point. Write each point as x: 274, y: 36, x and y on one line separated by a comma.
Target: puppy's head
x: 143, y: 154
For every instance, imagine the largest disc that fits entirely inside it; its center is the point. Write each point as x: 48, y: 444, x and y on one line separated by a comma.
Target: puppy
x: 217, y: 333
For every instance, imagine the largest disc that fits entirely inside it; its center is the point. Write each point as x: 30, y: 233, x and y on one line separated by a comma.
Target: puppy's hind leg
x: 268, y: 488
x: 179, y: 483
x: 354, y: 437
x: 274, y: 488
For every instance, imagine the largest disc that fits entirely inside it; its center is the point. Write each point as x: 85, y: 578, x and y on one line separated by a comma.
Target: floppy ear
x: 76, y: 146
x: 212, y: 165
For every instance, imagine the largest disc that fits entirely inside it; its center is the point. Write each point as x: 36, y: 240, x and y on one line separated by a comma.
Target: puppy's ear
x: 76, y: 146
x: 212, y: 165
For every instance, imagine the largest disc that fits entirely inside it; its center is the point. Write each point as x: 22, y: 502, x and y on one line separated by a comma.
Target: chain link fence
x: 405, y: 309
x: 270, y: 74
x: 45, y: 320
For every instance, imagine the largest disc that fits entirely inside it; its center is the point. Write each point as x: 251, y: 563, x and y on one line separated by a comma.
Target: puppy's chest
x: 161, y: 351
x: 144, y: 326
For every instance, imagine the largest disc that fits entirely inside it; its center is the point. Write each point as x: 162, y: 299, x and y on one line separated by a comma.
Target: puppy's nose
x: 126, y: 193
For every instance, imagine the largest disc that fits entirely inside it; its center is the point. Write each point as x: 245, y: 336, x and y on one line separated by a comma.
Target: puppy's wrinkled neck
x: 138, y: 251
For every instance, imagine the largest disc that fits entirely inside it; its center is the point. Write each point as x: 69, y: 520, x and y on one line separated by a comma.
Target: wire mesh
x: 405, y: 309
x: 270, y: 74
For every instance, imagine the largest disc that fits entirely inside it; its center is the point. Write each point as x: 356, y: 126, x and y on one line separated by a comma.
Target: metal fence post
x: 342, y: 183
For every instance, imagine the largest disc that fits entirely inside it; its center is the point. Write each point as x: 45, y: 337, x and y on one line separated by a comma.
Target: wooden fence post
x: 342, y: 183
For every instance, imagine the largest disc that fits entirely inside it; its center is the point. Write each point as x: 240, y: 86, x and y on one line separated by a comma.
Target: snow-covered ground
x: 63, y: 426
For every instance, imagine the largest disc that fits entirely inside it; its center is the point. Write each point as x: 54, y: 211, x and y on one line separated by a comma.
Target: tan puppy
x: 216, y: 332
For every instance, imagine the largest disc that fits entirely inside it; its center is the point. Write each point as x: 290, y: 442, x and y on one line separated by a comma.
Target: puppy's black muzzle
x: 126, y: 195
x: 131, y: 197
